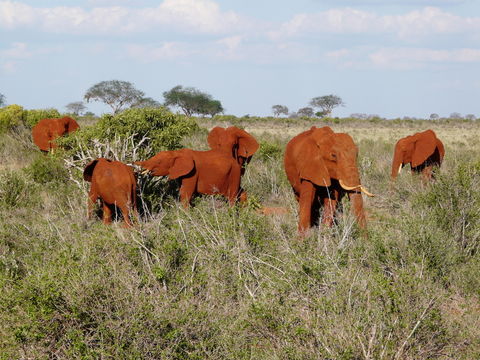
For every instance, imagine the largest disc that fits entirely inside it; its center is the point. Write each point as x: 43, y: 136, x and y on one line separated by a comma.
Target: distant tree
x: 279, y: 109
x: 213, y: 107
x: 2, y: 100
x: 146, y: 102
x: 361, y: 116
x: 434, y: 116
x: 327, y: 103
x: 470, y: 117
x: 293, y: 115
x: 89, y: 114
x: 115, y: 93
x: 192, y: 101
x: 76, y: 107
x: 306, y: 111
x: 455, y: 115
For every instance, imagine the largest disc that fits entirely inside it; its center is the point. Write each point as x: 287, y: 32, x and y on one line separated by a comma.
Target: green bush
x: 269, y: 150
x: 163, y: 129
x: 32, y: 117
x: 47, y: 169
x: 10, y: 117
x: 13, y: 189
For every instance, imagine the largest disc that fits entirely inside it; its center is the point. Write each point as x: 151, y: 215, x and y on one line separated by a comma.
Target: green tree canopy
x: 305, y: 111
x: 279, y: 109
x: 147, y: 102
x: 192, y: 101
x: 115, y: 93
x: 76, y: 107
x: 2, y: 100
x: 327, y: 103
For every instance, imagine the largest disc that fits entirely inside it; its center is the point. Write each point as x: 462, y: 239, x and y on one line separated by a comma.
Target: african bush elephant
x: 233, y: 141
x: 321, y: 166
x: 205, y: 172
x: 422, y: 151
x: 47, y: 130
x: 114, y: 183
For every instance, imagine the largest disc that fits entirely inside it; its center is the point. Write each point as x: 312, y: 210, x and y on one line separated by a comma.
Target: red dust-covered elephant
x: 205, y: 172
x: 422, y: 151
x: 46, y: 131
x: 321, y: 166
x: 237, y: 143
x: 114, y: 183
x: 234, y: 141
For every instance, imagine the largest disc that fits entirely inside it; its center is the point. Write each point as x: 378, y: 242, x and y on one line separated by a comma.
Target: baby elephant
x: 114, y: 183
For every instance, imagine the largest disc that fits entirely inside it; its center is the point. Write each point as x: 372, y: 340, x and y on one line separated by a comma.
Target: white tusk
x: 366, y: 192
x: 145, y: 172
x: 348, y: 187
x: 400, y: 169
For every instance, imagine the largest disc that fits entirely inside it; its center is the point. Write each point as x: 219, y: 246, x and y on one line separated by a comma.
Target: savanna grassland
x: 229, y: 283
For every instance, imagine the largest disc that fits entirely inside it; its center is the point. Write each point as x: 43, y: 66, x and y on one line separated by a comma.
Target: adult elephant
x: 422, y: 151
x: 321, y: 166
x: 205, y: 172
x: 46, y: 131
x: 233, y: 141
x: 114, y: 183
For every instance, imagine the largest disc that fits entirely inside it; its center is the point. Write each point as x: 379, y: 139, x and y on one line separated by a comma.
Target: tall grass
x: 228, y: 283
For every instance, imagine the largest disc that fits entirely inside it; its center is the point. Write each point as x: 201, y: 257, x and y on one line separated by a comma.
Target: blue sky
x: 393, y: 58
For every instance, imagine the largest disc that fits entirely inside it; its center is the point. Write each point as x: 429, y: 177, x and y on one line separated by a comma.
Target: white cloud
x: 18, y: 50
x: 166, y: 51
x: 9, y: 58
x: 411, y: 58
x: 426, y: 21
x: 203, y: 16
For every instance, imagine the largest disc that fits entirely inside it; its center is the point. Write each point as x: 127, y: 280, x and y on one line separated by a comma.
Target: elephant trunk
x: 397, y: 163
x: 357, y: 207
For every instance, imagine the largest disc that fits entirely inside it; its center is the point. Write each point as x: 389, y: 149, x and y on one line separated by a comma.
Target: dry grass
x: 228, y: 283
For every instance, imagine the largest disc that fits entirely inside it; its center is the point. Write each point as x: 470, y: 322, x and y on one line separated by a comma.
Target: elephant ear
x: 182, y: 165
x: 88, y: 172
x: 214, y: 137
x: 424, y: 147
x: 311, y: 165
x: 72, y: 125
x: 441, y: 149
x: 247, y: 145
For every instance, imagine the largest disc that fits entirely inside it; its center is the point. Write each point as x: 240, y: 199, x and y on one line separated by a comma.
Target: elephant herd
x: 320, y: 165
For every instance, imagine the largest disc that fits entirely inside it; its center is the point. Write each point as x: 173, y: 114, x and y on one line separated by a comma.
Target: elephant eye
x: 334, y: 156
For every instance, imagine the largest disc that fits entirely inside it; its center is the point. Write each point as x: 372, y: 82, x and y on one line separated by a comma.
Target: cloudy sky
x: 393, y: 58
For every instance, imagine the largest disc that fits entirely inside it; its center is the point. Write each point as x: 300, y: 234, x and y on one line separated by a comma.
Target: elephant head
x: 326, y: 155
x: 237, y: 142
x: 88, y: 171
x: 415, y: 150
x: 47, y: 130
x: 173, y: 164
x: 70, y: 124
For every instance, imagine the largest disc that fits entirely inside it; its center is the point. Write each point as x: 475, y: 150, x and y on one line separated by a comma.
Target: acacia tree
x: 305, y: 111
x: 115, y: 93
x: 2, y: 100
x: 279, y: 109
x: 76, y: 107
x: 327, y: 103
x: 192, y: 101
x: 146, y: 102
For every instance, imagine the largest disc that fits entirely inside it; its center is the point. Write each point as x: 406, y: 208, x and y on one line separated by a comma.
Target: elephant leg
x: 234, y: 191
x: 307, y: 195
x: 186, y: 192
x: 242, y: 197
x: 125, y: 213
x: 427, y: 173
x: 357, y: 207
x: 329, y: 206
x: 107, y: 214
x: 92, y: 199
